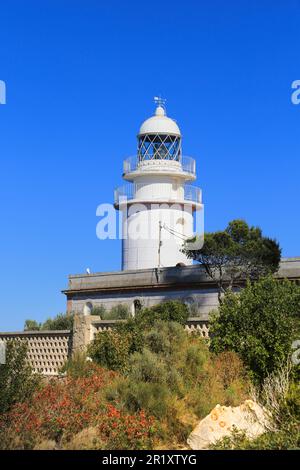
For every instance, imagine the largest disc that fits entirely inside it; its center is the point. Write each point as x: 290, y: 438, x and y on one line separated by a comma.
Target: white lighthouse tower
x: 157, y: 203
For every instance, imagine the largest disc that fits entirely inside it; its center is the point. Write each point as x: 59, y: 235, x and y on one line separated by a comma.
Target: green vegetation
x: 17, y: 383
x: 118, y: 312
x: 259, y: 324
x: 239, y: 252
x: 112, y: 349
x: 150, y: 382
x: 60, y: 322
x: 167, y: 372
x: 280, y: 396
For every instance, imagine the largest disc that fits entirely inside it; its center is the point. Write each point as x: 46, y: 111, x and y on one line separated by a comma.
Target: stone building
x: 151, y: 286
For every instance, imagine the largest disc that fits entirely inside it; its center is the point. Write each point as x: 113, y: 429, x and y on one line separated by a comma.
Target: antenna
x: 159, y: 101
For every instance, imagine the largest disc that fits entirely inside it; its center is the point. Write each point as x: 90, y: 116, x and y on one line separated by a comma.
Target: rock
x: 248, y: 417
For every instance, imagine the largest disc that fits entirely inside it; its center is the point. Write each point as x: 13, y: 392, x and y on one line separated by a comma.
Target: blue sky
x: 81, y: 76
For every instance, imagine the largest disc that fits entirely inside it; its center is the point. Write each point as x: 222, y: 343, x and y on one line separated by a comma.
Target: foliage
x: 61, y: 409
x: 258, y: 324
x: 177, y: 380
x: 239, y: 252
x: 111, y: 349
x: 60, y: 322
x: 79, y: 365
x: 118, y: 312
x: 17, y: 383
x: 287, y: 438
x: 280, y: 397
x: 99, y: 310
x: 170, y: 310
x: 32, y: 325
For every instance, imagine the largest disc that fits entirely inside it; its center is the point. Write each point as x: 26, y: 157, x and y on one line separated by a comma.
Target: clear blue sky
x: 81, y: 76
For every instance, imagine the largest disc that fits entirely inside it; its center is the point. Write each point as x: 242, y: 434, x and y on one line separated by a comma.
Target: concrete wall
x: 47, y: 350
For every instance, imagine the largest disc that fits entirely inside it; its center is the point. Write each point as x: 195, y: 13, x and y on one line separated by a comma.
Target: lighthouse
x: 158, y: 200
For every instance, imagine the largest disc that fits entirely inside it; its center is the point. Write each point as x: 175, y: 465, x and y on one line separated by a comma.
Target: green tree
x: 259, y: 324
x: 113, y: 348
x: 31, y: 325
x: 60, y: 322
x: 239, y: 252
x: 118, y: 312
x: 170, y: 310
x: 17, y: 383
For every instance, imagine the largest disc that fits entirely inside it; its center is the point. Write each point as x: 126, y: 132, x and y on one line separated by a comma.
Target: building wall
x: 151, y: 286
x: 201, y: 302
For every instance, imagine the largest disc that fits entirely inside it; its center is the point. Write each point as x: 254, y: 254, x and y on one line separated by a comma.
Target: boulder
x: 222, y: 420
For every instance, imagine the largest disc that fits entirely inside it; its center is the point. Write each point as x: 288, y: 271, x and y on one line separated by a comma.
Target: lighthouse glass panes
x: 159, y: 147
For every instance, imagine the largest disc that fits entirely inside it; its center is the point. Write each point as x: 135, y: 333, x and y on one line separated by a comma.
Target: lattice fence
x: 47, y: 350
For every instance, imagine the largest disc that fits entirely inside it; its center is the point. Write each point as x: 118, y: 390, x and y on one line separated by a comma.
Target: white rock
x: 249, y: 417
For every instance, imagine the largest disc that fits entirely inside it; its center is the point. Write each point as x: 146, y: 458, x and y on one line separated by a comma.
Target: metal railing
x: 192, y: 193
x: 131, y: 164
x: 128, y: 192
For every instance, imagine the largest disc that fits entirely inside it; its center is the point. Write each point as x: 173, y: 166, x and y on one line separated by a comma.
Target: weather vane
x: 159, y: 101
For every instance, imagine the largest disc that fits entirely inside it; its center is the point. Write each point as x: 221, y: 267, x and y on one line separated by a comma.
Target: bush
x: 258, y: 324
x: 111, y: 349
x: 62, y: 409
x: 166, y: 371
x: 279, y: 395
x: 175, y: 379
x: 79, y: 365
x: 60, y: 322
x: 32, y: 325
x: 171, y: 310
x: 17, y: 383
x: 99, y: 310
x: 118, y: 312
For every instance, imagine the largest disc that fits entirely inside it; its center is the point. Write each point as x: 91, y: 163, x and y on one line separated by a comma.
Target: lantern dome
x: 160, y: 123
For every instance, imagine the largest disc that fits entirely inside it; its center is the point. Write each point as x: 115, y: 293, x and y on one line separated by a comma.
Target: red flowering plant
x: 124, y: 431
x: 63, y: 408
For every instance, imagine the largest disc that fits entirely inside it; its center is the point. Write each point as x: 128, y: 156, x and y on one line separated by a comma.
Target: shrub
x: 258, y: 323
x: 279, y: 395
x: 175, y: 379
x: 111, y: 349
x: 171, y: 310
x: 62, y: 409
x: 32, y: 325
x: 60, y: 322
x: 79, y: 365
x: 99, y: 310
x: 17, y: 383
x: 118, y: 312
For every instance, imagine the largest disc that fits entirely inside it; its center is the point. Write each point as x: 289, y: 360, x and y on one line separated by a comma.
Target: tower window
x: 159, y: 147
